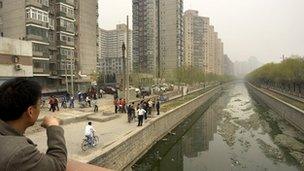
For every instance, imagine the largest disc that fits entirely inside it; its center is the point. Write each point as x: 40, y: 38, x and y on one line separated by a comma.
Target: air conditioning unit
x: 18, y: 67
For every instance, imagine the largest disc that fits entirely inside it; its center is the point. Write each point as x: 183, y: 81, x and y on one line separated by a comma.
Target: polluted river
x: 233, y: 133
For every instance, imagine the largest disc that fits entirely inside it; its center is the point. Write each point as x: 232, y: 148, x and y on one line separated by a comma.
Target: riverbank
x: 286, y: 135
x: 140, y: 140
x: 230, y: 135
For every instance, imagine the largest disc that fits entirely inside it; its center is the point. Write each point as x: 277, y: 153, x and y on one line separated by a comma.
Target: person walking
x: 52, y: 104
x: 94, y: 103
x: 146, y: 107
x: 88, y: 101
x: 71, y: 102
x: 56, y: 103
x: 129, y: 113
x: 115, y: 105
x: 123, y: 105
x: 64, y: 102
x: 157, y: 107
x: 133, y: 110
x: 141, y: 113
x: 119, y: 105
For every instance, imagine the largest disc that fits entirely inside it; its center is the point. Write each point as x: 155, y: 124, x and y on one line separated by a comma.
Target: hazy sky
x: 266, y: 29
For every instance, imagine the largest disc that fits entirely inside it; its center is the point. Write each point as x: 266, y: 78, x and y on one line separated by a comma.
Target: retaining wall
x: 121, y: 155
x: 292, y: 114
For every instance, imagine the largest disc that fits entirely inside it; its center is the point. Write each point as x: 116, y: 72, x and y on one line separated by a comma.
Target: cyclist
x: 89, y: 133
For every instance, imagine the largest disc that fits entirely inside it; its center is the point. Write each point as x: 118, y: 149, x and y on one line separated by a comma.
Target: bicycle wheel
x: 96, y: 140
x: 85, y: 145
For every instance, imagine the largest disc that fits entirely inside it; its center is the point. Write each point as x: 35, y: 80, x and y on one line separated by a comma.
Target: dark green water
x: 228, y: 135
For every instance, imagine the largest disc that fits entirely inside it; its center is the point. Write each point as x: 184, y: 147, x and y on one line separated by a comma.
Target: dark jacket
x: 19, y: 153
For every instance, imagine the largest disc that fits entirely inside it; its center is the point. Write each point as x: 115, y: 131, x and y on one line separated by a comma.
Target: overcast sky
x: 266, y: 29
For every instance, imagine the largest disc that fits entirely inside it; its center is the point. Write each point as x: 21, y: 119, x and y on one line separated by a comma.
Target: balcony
x: 70, y: 30
x: 67, y: 15
x: 37, y: 53
x: 40, y: 23
x: 35, y: 3
x: 37, y: 38
x: 40, y: 54
x: 66, y: 43
x: 41, y: 71
x: 69, y: 2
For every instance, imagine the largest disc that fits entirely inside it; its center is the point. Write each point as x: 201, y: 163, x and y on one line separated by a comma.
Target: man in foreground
x: 20, y: 108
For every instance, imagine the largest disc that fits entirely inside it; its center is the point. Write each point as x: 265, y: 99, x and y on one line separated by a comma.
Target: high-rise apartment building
x: 219, y: 57
x: 87, y: 33
x: 145, y: 36
x: 193, y: 39
x: 157, y: 35
x: 206, y: 42
x: 228, y: 66
x: 111, y: 57
x: 203, y: 48
x: 61, y: 34
x: 171, y: 34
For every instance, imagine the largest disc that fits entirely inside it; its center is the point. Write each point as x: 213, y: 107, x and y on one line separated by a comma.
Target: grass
x: 177, y: 102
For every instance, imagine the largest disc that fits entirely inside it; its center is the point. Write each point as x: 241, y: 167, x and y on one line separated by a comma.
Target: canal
x: 234, y: 133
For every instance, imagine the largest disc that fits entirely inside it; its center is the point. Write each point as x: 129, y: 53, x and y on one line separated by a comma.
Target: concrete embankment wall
x: 121, y: 155
x: 292, y: 114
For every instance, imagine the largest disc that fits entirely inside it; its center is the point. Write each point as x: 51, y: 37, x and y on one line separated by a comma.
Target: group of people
x: 54, y: 102
x: 143, y: 109
x: 120, y: 105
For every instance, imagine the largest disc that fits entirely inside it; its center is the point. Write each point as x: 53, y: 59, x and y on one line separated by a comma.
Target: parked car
x: 143, y: 91
x: 109, y: 90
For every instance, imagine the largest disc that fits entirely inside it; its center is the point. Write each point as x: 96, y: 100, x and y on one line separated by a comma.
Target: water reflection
x: 229, y: 135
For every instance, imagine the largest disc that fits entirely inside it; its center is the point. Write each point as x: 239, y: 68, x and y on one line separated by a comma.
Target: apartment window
x: 37, y: 14
x: 44, y: 2
x: 34, y: 14
x: 1, y: 4
x: 37, y: 31
x: 51, y: 22
x: 40, y: 48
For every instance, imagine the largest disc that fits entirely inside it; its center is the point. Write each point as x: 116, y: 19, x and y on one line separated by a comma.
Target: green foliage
x: 192, y: 75
x: 288, y: 71
x: 140, y: 79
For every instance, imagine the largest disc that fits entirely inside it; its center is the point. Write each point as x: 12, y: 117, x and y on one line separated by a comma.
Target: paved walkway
x: 287, y: 95
x: 109, y: 132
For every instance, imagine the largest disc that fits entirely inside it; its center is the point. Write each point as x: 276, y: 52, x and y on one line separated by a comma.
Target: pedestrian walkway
x: 288, y: 95
x: 113, y: 130
x: 104, y: 104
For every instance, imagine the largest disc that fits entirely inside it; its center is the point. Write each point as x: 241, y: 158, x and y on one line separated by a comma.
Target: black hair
x: 16, y: 95
x: 89, y: 123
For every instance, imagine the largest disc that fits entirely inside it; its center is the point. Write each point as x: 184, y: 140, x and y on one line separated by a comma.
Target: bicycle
x: 85, y: 145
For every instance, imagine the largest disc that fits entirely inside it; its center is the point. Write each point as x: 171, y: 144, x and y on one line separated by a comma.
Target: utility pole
x: 72, y: 76
x: 127, y: 65
x: 158, y: 43
x: 104, y: 71
x: 124, y: 68
x: 66, y: 75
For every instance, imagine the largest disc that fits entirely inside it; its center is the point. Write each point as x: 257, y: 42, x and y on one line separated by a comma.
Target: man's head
x: 20, y: 98
x: 89, y: 123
